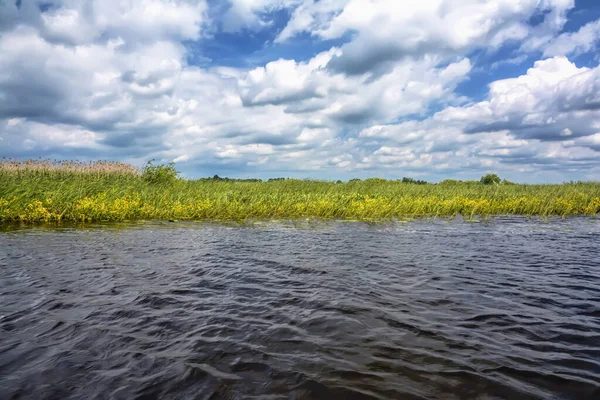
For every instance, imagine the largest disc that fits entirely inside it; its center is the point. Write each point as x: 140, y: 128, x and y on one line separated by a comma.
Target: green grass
x: 80, y: 194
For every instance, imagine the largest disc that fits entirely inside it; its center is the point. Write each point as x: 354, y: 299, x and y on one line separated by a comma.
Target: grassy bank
x: 43, y: 191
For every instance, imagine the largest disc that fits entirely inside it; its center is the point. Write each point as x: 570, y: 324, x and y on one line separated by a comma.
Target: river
x: 426, y: 309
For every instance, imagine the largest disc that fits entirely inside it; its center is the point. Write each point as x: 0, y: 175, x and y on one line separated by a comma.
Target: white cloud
x: 248, y: 14
x: 553, y: 96
x: 311, y: 16
x: 284, y: 81
x: 514, y: 61
x: 552, y: 23
x: 82, y: 22
x: 388, y: 30
x: 100, y: 78
x: 35, y: 138
x: 581, y: 41
x: 525, y: 124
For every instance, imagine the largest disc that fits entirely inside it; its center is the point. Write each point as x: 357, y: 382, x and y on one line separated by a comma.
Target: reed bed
x: 104, y: 191
x: 57, y: 167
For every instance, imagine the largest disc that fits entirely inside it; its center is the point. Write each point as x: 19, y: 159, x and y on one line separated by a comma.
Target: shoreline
x: 113, y: 192
x: 300, y: 223
x: 116, y: 202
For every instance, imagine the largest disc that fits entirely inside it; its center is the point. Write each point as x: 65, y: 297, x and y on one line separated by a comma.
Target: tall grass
x: 105, y: 191
x: 66, y: 168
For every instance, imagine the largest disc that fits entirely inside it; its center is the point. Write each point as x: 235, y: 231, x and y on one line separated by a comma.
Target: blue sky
x: 327, y: 89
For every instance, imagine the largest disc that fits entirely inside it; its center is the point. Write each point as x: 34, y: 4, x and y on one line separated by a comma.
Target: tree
x: 490, y: 179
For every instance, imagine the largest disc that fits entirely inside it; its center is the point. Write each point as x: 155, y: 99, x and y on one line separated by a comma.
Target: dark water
x: 421, y: 310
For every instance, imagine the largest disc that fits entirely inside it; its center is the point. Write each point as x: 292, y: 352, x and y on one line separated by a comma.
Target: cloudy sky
x: 328, y: 89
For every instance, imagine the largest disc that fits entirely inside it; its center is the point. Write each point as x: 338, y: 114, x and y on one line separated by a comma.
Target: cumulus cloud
x: 79, y: 22
x: 417, y: 28
x: 251, y: 14
x: 581, y: 41
x: 283, y: 82
x: 101, y: 79
x: 553, y: 100
x: 311, y: 87
x: 546, y: 119
x: 99, y: 87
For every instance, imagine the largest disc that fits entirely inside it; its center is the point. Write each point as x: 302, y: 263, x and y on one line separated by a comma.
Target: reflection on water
x: 417, y: 310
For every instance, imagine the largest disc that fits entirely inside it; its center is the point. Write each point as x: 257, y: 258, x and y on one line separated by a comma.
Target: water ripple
x: 428, y: 309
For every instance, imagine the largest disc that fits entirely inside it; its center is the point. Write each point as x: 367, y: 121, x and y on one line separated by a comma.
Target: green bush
x: 375, y: 180
x: 490, y: 179
x: 160, y: 173
x: 414, y: 181
x: 449, y: 182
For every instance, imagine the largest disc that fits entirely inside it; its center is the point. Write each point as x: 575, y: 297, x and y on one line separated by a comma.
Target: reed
x: 42, y: 190
x: 58, y: 167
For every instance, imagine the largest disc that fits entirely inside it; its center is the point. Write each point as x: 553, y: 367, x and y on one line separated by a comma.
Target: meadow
x: 34, y: 191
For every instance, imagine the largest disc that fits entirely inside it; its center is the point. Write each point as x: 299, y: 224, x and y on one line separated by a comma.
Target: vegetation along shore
x: 37, y: 190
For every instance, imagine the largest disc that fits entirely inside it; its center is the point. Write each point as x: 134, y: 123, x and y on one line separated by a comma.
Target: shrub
x: 415, y: 181
x: 160, y: 173
x: 449, y: 182
x: 490, y: 179
x: 375, y: 180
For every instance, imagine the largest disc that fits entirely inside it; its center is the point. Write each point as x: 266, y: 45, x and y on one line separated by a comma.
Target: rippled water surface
x: 418, y: 310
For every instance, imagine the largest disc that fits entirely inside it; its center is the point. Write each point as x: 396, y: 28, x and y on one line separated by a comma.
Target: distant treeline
x: 486, y: 179
x: 490, y: 179
x: 152, y: 172
x: 219, y: 178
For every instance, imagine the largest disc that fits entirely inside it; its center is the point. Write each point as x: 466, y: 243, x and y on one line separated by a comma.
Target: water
x: 418, y: 310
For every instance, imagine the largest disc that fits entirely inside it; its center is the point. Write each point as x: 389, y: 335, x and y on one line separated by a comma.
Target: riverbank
x: 118, y: 192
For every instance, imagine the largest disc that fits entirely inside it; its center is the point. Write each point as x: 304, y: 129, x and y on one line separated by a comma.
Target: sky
x: 323, y: 89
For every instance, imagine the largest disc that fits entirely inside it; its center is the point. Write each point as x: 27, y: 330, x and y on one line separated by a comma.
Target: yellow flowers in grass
x: 593, y: 207
x: 5, y: 211
x: 37, y: 212
x: 101, y: 208
x: 34, y: 211
x: 117, y: 192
